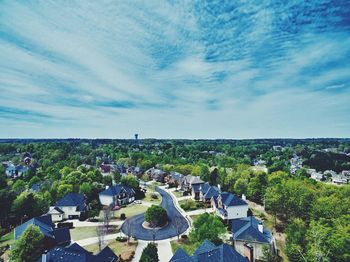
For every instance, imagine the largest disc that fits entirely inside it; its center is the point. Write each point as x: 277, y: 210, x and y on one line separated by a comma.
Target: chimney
x: 244, y: 197
x: 107, y: 187
x: 261, y: 227
x: 44, y: 257
x: 219, y: 187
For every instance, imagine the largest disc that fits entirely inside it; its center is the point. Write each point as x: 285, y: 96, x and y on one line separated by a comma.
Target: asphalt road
x: 166, y: 232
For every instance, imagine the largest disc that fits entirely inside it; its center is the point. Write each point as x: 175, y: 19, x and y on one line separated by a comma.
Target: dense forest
x: 313, y: 215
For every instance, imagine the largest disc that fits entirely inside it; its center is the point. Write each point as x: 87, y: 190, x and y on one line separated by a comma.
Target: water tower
x: 136, y: 136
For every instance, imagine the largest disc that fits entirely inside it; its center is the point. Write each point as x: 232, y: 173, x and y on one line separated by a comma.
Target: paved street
x: 166, y: 232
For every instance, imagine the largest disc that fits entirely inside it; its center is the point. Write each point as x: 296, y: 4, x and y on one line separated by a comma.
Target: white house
x: 229, y: 206
x: 71, y: 206
x: 117, y: 195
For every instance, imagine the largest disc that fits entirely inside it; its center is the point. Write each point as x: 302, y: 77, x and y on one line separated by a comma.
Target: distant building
x: 249, y: 236
x: 229, y: 206
x: 76, y: 253
x: 117, y: 195
x: 136, y: 137
x: 208, y: 252
x: 156, y: 174
x: 207, y: 192
x: 192, y: 184
x: 53, y: 236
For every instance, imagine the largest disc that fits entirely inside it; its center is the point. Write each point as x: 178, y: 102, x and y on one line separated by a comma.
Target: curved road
x: 166, y: 232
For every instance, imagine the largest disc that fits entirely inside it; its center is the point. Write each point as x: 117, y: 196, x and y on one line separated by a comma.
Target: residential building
x: 193, y: 185
x: 15, y: 170
x: 156, y: 174
x: 207, y: 192
x: 71, y: 206
x: 208, y: 252
x: 340, y: 179
x: 249, y: 237
x: 53, y: 236
x: 117, y: 195
x: 229, y: 206
x: 76, y: 253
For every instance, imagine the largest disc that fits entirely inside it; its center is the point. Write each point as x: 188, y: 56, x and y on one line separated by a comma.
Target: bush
x: 121, y: 239
x: 122, y: 216
x: 65, y: 224
x: 154, y: 196
x: 184, y: 237
x: 189, y: 205
x: 156, y: 216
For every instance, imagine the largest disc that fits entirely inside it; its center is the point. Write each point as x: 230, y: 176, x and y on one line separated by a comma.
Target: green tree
x: 19, y: 186
x: 29, y: 246
x: 150, y: 253
x: 63, y: 190
x: 209, y: 227
x: 130, y: 181
x: 241, y: 186
x: 156, y: 216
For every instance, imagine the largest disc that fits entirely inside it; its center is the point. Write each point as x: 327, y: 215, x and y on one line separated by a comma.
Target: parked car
x: 138, y: 202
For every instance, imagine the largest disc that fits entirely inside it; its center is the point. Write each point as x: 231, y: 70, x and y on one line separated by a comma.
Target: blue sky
x: 175, y: 69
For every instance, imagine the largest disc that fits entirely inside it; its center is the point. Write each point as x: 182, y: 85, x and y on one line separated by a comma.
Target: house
x: 249, y: 237
x: 105, y: 168
x: 229, y: 206
x: 192, y: 184
x: 340, y: 179
x: 135, y: 171
x: 71, y: 206
x: 207, y: 192
x: 208, y: 252
x: 175, y: 177
x: 15, y: 171
x: 117, y: 195
x: 76, y: 253
x: 53, y: 236
x: 156, y: 174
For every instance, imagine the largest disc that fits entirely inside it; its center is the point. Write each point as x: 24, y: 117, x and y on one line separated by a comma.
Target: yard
x: 118, y: 248
x: 148, y: 197
x: 185, y: 244
x: 6, y: 239
x: 190, y: 204
x: 80, y: 233
x: 130, y: 210
x: 178, y: 193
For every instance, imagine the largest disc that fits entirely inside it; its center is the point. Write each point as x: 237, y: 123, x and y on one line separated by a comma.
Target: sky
x: 174, y: 69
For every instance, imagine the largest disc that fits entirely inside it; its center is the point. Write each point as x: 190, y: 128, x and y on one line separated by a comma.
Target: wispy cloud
x: 174, y: 69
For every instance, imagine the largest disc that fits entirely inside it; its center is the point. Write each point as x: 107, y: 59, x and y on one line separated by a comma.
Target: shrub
x: 121, y: 239
x: 65, y: 224
x: 150, y: 253
x: 122, y: 216
x: 184, y: 237
x: 154, y: 196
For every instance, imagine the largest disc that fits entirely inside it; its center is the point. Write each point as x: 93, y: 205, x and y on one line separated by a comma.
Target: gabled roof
x: 246, y: 229
x: 107, y: 254
x: 55, y: 210
x: 180, y: 256
x: 196, y: 188
x: 72, y: 199
x: 213, y: 191
x: 204, y: 188
x: 116, y: 189
x: 229, y: 200
x: 205, y: 246
x: 208, y: 252
x: 44, y: 223
x: 76, y: 253
x: 61, y: 235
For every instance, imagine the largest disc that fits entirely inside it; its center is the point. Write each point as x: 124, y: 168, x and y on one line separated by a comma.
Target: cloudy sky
x: 174, y: 69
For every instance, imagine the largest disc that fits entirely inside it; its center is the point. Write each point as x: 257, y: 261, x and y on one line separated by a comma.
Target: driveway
x: 166, y: 232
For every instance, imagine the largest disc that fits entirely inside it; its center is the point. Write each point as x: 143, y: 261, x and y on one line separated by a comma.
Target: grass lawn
x: 79, y: 233
x: 131, y: 210
x: 148, y: 198
x: 6, y: 239
x: 118, y: 248
x: 178, y: 193
x: 188, y: 246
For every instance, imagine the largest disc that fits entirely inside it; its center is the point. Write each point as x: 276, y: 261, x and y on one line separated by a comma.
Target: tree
x: 128, y: 229
x: 19, y: 186
x: 100, y: 232
x: 29, y: 246
x: 209, y: 227
x: 241, y: 186
x: 177, y: 224
x: 63, y: 190
x: 156, y: 216
x: 130, y: 181
x: 150, y: 253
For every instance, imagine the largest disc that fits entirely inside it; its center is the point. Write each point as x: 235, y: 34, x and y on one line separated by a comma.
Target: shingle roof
x: 180, y: 256
x: 229, y: 199
x: 55, y: 210
x: 213, y: 191
x: 115, y: 190
x: 43, y: 222
x: 72, y: 199
x: 61, y: 235
x: 204, y: 188
x: 208, y: 252
x: 246, y: 229
x: 75, y: 253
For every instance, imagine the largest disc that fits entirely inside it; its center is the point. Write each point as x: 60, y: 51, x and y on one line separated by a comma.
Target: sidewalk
x: 165, y: 252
